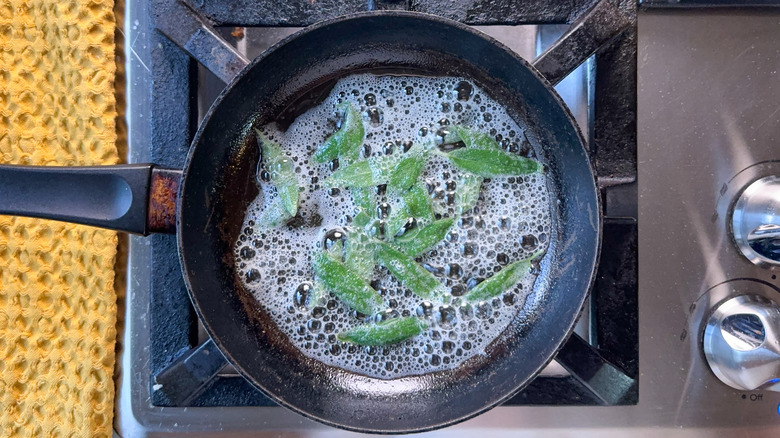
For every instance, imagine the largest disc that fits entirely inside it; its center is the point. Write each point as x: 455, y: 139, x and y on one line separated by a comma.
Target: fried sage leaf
x: 399, y: 215
x: 484, y: 157
x: 314, y: 297
x: 399, y: 171
x: 471, y: 138
x: 419, y: 204
x: 364, y: 173
x: 384, y: 333
x: 336, y: 250
x: 421, y: 282
x: 501, y: 281
x: 413, y: 203
x: 365, y: 201
x: 273, y: 215
x: 416, y: 244
x: 405, y: 173
x: 467, y: 192
x: 357, y: 174
x: 281, y: 171
x: 492, y: 162
x: 347, y: 285
x: 361, y: 219
x: 347, y: 141
x: 360, y: 253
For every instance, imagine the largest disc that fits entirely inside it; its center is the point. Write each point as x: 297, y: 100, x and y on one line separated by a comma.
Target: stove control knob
x: 755, y: 222
x: 742, y: 343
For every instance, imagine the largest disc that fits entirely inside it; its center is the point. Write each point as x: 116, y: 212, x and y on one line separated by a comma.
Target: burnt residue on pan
x: 233, y: 195
x: 163, y: 193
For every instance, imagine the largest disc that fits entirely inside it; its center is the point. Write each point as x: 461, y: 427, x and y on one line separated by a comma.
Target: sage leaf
x: 413, y: 203
x: 273, y: 215
x: 419, y: 204
x: 347, y: 141
x: 484, y: 157
x: 490, y: 163
x: 405, y: 173
x: 501, y: 281
x: 317, y: 295
x: 281, y: 171
x: 364, y: 173
x: 365, y: 201
x: 336, y: 250
x: 359, y: 253
x: 471, y: 138
x: 399, y: 215
x: 357, y: 174
x: 467, y: 192
x: 416, y: 244
x: 361, y: 219
x: 421, y: 282
x: 386, y: 332
x: 348, y: 286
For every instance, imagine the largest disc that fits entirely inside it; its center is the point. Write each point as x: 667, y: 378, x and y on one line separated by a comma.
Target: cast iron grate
x: 607, y: 374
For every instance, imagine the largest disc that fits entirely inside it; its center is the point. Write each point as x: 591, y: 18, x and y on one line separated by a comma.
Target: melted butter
x: 510, y: 221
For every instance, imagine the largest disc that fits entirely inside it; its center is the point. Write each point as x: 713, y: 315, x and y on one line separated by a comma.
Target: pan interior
x: 219, y: 185
x: 509, y: 223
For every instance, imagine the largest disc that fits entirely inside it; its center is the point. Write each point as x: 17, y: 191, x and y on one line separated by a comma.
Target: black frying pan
x: 217, y: 184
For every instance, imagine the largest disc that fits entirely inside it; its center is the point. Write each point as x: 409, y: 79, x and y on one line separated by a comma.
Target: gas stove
x: 671, y: 155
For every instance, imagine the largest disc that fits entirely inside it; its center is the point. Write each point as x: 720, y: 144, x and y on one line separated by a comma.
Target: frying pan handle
x: 136, y: 198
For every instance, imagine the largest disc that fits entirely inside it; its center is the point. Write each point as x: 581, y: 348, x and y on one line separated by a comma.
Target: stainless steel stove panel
x: 708, y: 108
x: 708, y: 112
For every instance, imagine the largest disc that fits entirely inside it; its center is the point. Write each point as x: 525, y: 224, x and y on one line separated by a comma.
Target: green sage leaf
x: 416, y: 244
x: 421, y: 282
x: 357, y: 174
x: 501, y: 281
x: 471, y: 138
x: 413, y: 203
x: 346, y: 284
x: 347, y: 141
x: 274, y: 214
x: 384, y: 333
x: 419, y: 204
x: 317, y: 295
x: 364, y: 199
x: 361, y: 219
x: 281, y: 171
x: 364, y: 173
x: 467, y: 191
x: 360, y: 253
x: 399, y: 215
x: 492, y: 162
x: 336, y: 251
x: 405, y: 173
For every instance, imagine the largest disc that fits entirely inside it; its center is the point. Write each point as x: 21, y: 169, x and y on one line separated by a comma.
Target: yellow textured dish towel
x: 57, y: 298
